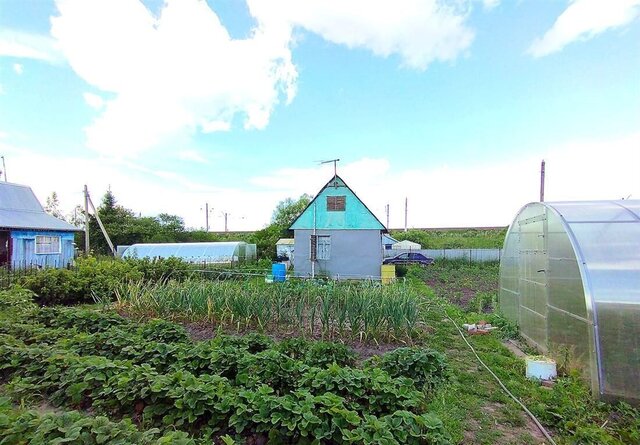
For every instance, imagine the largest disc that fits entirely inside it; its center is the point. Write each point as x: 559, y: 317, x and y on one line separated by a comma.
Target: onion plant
x: 331, y: 310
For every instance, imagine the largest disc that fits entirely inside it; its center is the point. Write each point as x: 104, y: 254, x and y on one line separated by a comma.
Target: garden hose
x: 529, y: 413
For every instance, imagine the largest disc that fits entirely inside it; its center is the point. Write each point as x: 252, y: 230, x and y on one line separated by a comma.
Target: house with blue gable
x: 30, y: 237
x: 337, y: 236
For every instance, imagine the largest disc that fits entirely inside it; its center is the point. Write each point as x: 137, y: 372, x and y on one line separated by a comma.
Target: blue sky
x: 451, y: 104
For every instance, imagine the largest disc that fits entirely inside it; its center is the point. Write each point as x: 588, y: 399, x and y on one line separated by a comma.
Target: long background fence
x: 470, y: 255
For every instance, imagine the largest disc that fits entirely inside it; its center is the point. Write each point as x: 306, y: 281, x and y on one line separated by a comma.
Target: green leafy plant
x: 423, y: 366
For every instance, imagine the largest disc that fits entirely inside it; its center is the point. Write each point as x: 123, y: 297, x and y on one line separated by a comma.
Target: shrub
x: 82, y: 319
x: 369, y: 390
x: 423, y: 366
x: 75, y: 428
x: 163, y: 331
x: 16, y: 300
x: 271, y: 368
x: 321, y: 354
x: 95, y: 279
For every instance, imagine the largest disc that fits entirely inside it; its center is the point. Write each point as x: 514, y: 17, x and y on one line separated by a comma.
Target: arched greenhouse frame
x: 224, y: 252
x: 570, y: 278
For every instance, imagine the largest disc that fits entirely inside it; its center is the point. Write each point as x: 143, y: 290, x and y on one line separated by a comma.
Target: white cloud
x: 490, y: 4
x: 28, y: 46
x: 179, y: 72
x: 192, y: 155
x: 213, y: 126
x: 172, y: 74
x: 93, y: 100
x: 136, y: 187
x: 583, y: 20
x: 18, y: 68
x: 419, y: 31
x: 439, y: 196
x: 479, y: 195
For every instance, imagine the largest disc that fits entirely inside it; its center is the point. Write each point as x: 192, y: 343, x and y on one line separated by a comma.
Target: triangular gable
x: 355, y: 216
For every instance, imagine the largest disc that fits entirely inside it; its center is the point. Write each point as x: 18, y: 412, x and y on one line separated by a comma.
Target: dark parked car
x: 409, y: 258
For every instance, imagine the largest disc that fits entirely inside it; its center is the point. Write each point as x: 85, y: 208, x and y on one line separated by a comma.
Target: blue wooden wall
x: 23, y: 253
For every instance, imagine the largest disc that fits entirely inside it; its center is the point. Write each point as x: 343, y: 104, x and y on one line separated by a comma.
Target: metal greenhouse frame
x: 570, y: 278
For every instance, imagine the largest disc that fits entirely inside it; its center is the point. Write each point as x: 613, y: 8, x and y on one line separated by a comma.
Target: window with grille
x: 47, y: 244
x: 336, y: 203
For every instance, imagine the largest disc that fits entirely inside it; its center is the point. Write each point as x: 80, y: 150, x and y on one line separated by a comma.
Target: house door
x: 5, y: 248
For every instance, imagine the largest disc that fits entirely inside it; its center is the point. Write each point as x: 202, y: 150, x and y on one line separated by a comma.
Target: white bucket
x: 541, y: 368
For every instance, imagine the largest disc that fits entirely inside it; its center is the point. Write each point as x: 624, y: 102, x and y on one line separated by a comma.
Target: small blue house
x: 30, y: 237
x: 337, y: 236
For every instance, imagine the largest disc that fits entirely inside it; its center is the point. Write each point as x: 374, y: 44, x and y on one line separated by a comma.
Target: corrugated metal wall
x: 23, y: 254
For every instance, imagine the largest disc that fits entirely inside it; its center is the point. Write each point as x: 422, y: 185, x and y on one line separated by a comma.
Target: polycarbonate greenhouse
x: 570, y: 278
x: 229, y: 252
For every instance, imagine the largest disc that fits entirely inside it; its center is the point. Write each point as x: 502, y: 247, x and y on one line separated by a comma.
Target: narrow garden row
x: 237, y: 387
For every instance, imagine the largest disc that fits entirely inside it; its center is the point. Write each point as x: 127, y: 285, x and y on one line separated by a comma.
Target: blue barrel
x: 279, y: 272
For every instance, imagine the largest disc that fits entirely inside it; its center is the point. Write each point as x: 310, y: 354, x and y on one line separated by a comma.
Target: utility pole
x: 542, y: 181
x: 406, y: 211
x: 206, y: 215
x: 86, y: 220
x: 386, y: 208
x: 226, y: 215
x: 4, y: 170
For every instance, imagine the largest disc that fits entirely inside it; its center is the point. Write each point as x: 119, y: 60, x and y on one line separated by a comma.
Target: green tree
x: 283, y: 216
x: 288, y: 210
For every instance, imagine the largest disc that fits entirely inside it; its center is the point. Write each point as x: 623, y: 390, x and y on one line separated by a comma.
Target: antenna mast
x: 335, y: 166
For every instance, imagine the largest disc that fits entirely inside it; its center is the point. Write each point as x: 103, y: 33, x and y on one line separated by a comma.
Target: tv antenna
x: 335, y: 165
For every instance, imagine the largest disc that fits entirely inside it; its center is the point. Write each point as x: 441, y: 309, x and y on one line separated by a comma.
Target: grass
x: 468, y: 285
x: 474, y: 408
x: 454, y: 239
x: 362, y: 311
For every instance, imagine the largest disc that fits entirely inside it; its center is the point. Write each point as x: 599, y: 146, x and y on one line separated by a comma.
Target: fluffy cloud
x: 144, y: 190
x: 419, y: 31
x: 18, y: 68
x: 28, y: 46
x: 583, y: 20
x: 480, y: 195
x: 172, y: 74
x: 180, y: 71
x: 442, y: 196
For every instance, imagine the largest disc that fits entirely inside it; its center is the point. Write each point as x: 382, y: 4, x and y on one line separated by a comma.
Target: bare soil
x: 364, y: 349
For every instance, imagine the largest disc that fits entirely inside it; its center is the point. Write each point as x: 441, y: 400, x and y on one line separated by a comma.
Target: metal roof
x: 406, y: 244
x: 285, y: 242
x: 20, y: 209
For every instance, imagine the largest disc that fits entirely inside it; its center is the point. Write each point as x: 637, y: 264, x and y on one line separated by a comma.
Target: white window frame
x: 52, y: 237
x: 323, y: 250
